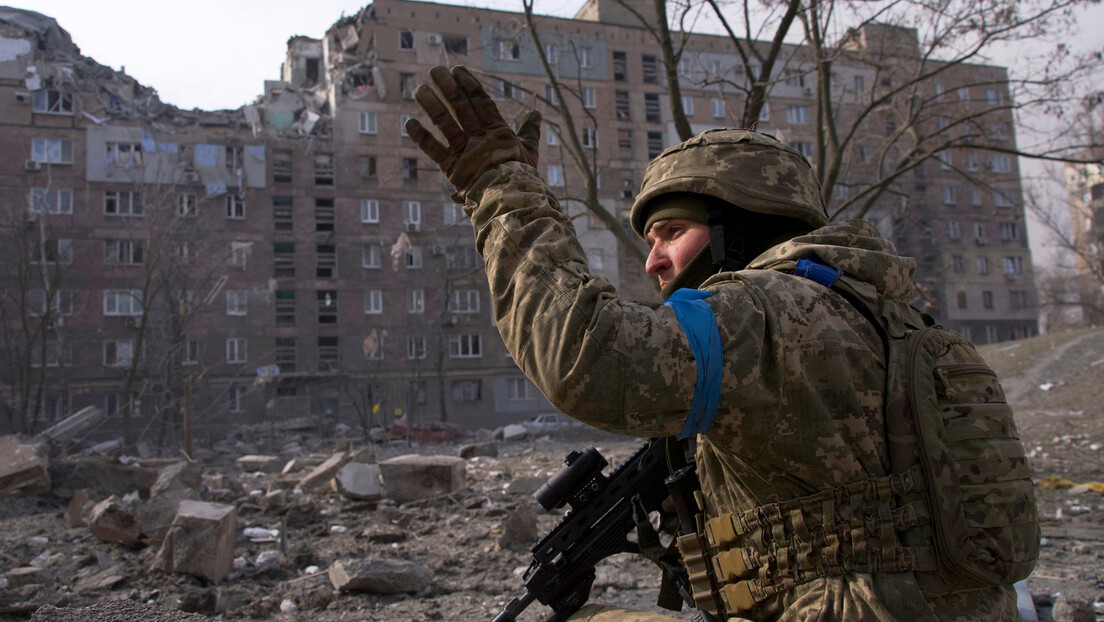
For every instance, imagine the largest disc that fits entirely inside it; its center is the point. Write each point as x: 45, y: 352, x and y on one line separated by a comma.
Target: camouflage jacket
x: 803, y: 378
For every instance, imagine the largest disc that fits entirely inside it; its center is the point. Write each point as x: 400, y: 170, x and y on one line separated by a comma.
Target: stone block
x: 24, y: 465
x: 378, y: 576
x: 519, y: 528
x: 156, y: 515
x: 358, y: 480
x: 412, y: 477
x: 200, y: 541
x: 253, y: 462
x: 478, y: 449
x: 78, y: 506
x: 27, y: 575
x: 177, y: 476
x: 111, y: 520
x: 321, y: 475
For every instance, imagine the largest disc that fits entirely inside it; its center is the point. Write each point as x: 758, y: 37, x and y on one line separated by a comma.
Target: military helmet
x: 747, y: 169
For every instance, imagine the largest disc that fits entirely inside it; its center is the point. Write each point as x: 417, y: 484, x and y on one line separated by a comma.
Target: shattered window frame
x: 124, y: 154
x: 467, y: 390
x: 283, y: 213
x: 507, y: 49
x: 285, y: 354
x: 410, y: 168
x: 52, y: 150
x: 325, y: 214
x: 327, y: 306
x: 455, y: 44
x: 407, y: 83
x: 187, y: 205
x: 124, y: 252
x: 329, y: 353
x: 325, y: 261
x: 323, y: 169
x: 235, y: 207
x: 285, y: 307
x: 282, y: 166
x: 368, y: 167
x: 406, y: 40
x: 283, y: 259
x: 54, y: 200
x: 52, y: 101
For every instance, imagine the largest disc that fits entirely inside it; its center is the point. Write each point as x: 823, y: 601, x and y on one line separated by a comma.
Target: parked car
x: 550, y: 421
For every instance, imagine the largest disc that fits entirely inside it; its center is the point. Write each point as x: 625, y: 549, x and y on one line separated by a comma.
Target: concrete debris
x: 29, y: 575
x: 512, y: 432
x: 358, y: 480
x: 525, y: 485
x: 264, y: 464
x: 73, y: 425
x: 519, y: 530
x: 78, y: 507
x: 112, y: 520
x: 230, y: 598
x: 384, y: 535
x: 24, y: 465
x: 473, y: 450
x: 200, y: 541
x: 114, y: 610
x: 99, y: 580
x: 1066, y: 610
x: 378, y: 576
x: 322, y: 474
x: 413, y: 477
x: 103, y: 476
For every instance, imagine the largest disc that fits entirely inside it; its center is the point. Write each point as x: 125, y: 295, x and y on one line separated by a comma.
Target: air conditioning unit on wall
x: 32, y: 165
x: 434, y: 39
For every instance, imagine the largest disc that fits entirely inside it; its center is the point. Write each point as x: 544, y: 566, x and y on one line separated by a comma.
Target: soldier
x: 780, y: 379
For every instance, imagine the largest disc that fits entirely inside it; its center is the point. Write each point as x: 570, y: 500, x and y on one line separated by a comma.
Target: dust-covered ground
x: 463, y: 540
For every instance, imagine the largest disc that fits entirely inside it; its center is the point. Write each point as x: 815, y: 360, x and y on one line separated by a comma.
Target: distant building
x: 306, y: 232
x: 1085, y: 187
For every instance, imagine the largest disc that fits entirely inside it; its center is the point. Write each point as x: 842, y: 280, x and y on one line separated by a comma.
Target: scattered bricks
x: 478, y: 449
x: 378, y: 576
x: 200, y: 541
x: 519, y: 528
x: 265, y: 464
x: 28, y: 575
x: 77, y: 507
x: 413, y: 477
x: 112, y: 521
x: 323, y: 473
x: 24, y: 465
x: 358, y: 480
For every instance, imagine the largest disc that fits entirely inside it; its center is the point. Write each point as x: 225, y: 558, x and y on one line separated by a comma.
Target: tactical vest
x: 958, y: 509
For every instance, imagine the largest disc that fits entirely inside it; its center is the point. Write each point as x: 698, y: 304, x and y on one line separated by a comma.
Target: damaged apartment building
x: 299, y: 257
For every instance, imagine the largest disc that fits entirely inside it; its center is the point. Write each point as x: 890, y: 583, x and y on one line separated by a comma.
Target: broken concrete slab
x: 519, y: 529
x: 27, y: 575
x: 78, y: 507
x: 412, y: 477
x: 254, y: 462
x: 478, y: 449
x: 114, y: 610
x: 73, y: 425
x: 177, y: 475
x: 358, y: 480
x: 101, y: 580
x: 200, y: 541
x: 378, y: 576
x: 111, y: 520
x: 513, y: 432
x: 102, y: 476
x: 156, y: 515
x: 525, y: 485
x: 321, y: 475
x: 24, y: 465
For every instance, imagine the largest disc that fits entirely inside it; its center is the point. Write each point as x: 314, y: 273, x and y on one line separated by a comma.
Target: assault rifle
x: 596, y: 527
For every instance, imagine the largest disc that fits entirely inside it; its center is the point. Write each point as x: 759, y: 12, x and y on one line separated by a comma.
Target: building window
x: 415, y: 347
x: 620, y: 66
x: 520, y: 389
x: 189, y: 352
x: 327, y: 306
x: 283, y: 214
x: 464, y: 301
x: 51, y: 201
x: 49, y: 101
x: 550, y: 95
x: 1009, y: 231
x: 979, y: 233
x: 402, y: 125
x: 122, y: 302
x: 323, y: 169
x: 370, y: 256
x: 949, y: 195
x: 945, y: 160
x: 236, y: 350
x: 235, y: 207
x: 552, y: 54
x: 463, y: 258
x: 467, y: 390
x: 412, y: 215
x: 367, y: 122
x: 61, y: 302
x: 369, y: 211
x: 555, y: 176
x: 1018, y: 299
x: 507, y: 49
x: 992, y: 97
x: 367, y: 167
x: 234, y: 399
x: 285, y: 307
x: 410, y: 168
x: 123, y: 203
x: 975, y: 196
x: 52, y: 150
x: 797, y: 114
x: 455, y: 44
x: 52, y: 250
x: 621, y: 99
x: 588, y: 97
x: 416, y: 302
x: 961, y: 299
x: 764, y: 113
x: 650, y: 68
x: 187, y: 205
x: 124, y: 252
x: 585, y: 60
x: 406, y: 40
x: 1000, y: 163
x: 118, y: 352
x: 860, y: 84
x: 324, y: 214
x: 453, y: 213
x: 281, y: 166
x: 624, y: 142
x: 1013, y: 265
x: 1003, y: 198
x: 285, y: 354
x: 655, y: 144
x: 413, y: 258
x: 805, y: 147
x: 998, y: 131
x: 982, y: 264
x: 467, y: 346
x: 953, y: 231
x: 596, y: 258
x: 283, y: 259
x: 373, y: 302
x: 718, y: 106
x: 329, y: 354
x: 326, y: 261
x: 590, y: 138
x: 652, y: 113
x: 956, y: 263
x: 987, y: 299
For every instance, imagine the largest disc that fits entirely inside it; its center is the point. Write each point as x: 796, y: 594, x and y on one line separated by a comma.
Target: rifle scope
x: 580, y: 469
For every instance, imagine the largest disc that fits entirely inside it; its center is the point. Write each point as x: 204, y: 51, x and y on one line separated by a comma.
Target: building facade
x: 300, y: 258
x: 1085, y: 188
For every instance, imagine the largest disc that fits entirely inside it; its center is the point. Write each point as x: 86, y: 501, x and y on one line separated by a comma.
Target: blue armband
x: 700, y: 325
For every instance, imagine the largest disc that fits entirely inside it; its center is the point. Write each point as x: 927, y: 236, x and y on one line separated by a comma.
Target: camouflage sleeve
x: 620, y: 366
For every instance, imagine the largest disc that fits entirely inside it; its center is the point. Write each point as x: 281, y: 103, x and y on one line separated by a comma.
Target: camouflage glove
x: 479, y: 139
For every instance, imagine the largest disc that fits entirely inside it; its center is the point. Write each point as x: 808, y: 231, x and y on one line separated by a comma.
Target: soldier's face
x: 674, y: 243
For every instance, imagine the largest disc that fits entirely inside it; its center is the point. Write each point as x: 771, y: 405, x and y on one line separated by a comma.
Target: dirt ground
x: 1056, y: 383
